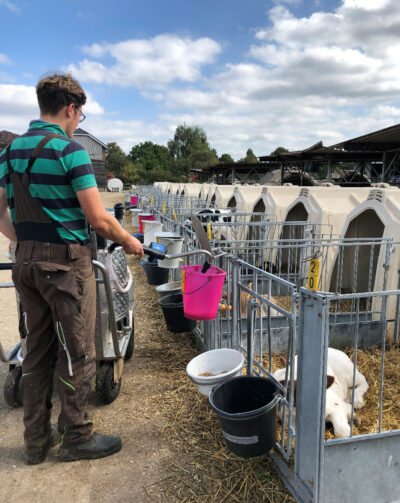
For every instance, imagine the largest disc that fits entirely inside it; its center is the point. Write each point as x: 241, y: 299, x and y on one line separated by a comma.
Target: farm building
x: 6, y: 137
x: 97, y: 151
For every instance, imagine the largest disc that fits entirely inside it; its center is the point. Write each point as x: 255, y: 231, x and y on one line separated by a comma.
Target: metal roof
x: 367, y: 147
x: 81, y: 132
x: 382, y: 141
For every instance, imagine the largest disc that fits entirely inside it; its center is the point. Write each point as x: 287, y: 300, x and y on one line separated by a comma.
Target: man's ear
x: 70, y: 110
x: 329, y: 381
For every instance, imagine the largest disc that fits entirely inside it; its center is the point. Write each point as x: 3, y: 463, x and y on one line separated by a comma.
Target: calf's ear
x: 329, y: 381
x: 283, y: 361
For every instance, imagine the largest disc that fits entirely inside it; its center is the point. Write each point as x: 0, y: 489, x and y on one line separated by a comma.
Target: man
x: 51, y: 193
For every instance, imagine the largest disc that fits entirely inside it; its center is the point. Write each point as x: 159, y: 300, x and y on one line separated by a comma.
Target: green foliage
x: 115, y: 159
x: 190, y: 150
x: 250, y: 157
x: 202, y: 158
x: 151, y: 156
x: 279, y: 150
x: 186, y: 140
x: 130, y: 172
x: 152, y: 161
x: 226, y: 159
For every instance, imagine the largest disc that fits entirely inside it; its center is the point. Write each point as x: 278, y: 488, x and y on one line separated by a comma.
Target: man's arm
x: 104, y: 223
x: 6, y: 226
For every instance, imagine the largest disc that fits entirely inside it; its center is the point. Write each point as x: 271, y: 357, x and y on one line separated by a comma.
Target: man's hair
x: 57, y: 90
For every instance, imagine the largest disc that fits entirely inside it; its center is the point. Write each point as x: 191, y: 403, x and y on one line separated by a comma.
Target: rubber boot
x: 98, y: 446
x: 37, y: 457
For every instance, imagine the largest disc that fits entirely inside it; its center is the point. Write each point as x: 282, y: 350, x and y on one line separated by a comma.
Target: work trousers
x: 57, y: 291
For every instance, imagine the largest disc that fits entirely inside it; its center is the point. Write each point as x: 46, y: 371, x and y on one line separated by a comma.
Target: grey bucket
x: 169, y: 288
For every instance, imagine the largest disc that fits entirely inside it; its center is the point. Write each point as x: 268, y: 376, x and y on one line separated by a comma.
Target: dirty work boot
x: 98, y: 446
x: 37, y: 457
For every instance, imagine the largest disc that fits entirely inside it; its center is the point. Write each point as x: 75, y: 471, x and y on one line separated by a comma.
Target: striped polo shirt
x: 62, y: 169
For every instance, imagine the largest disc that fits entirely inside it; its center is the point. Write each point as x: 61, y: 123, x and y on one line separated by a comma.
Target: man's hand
x: 133, y: 246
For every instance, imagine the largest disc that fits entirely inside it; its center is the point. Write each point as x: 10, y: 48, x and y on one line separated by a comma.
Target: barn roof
x: 81, y: 132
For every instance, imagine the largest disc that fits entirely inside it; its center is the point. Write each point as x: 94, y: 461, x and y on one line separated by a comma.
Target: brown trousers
x: 58, y: 295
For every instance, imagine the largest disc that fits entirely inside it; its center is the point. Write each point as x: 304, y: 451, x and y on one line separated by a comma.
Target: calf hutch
x: 277, y: 313
x: 192, y: 190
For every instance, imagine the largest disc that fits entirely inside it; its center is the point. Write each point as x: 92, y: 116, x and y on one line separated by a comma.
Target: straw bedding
x: 369, y: 364
x: 202, y: 470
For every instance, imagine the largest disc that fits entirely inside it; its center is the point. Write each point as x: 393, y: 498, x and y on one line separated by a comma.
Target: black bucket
x: 246, y: 409
x: 155, y: 275
x: 172, y: 306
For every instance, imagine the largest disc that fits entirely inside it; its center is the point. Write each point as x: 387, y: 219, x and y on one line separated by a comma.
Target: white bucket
x: 173, y: 243
x: 213, y: 367
x: 135, y: 216
x: 150, y: 228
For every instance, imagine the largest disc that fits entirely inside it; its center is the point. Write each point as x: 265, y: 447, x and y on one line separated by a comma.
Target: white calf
x: 339, y: 390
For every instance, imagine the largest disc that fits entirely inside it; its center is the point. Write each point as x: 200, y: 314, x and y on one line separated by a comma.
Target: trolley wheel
x: 131, y: 344
x: 106, y: 388
x: 11, y: 387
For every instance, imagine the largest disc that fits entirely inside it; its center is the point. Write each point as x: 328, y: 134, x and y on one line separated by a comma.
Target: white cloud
x: 365, y: 4
x: 18, y: 105
x: 147, y: 63
x: 4, y: 59
x: 10, y: 6
x: 329, y: 76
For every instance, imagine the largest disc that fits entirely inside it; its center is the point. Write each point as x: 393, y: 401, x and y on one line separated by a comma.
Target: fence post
x: 310, y: 398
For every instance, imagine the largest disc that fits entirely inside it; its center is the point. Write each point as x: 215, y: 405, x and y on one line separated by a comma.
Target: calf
x: 339, y: 390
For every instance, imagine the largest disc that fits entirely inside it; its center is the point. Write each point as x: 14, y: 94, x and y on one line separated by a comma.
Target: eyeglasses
x: 82, y: 116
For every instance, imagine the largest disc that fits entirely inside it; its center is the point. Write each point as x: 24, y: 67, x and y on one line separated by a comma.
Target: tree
x: 186, y: 140
x: 279, y: 150
x: 115, y: 159
x: 250, y: 157
x: 151, y: 156
x: 190, y: 150
x: 226, y: 159
x: 130, y: 172
x: 202, y: 158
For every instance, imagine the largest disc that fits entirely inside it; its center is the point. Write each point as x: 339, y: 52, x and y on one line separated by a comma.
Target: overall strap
x: 36, y: 152
x: 10, y: 169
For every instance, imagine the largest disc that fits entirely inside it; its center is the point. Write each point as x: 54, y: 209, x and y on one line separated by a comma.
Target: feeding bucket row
x: 144, y: 216
x: 172, y: 243
x: 202, y: 291
x: 135, y: 212
x: 211, y: 368
x: 150, y: 229
x: 246, y: 409
x: 172, y: 307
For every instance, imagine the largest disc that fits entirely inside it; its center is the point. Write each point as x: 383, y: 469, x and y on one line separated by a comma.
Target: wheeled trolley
x: 114, y: 334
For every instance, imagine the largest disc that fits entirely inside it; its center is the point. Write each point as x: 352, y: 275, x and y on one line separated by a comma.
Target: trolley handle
x: 151, y: 252
x: 112, y: 247
x: 6, y: 266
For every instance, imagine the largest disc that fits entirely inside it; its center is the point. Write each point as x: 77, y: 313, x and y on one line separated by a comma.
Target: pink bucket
x: 134, y: 200
x: 201, y: 291
x: 144, y: 216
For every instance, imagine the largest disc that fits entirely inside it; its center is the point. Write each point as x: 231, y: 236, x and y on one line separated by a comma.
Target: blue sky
x: 252, y: 74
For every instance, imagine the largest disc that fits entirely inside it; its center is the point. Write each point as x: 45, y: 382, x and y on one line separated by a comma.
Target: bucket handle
x: 197, y: 289
x: 204, y: 284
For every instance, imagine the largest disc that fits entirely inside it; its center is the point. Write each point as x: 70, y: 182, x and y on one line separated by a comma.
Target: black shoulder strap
x: 37, y: 150
x: 34, y: 154
x: 10, y: 169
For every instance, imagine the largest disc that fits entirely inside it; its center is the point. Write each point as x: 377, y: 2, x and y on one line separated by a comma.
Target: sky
x: 253, y: 74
